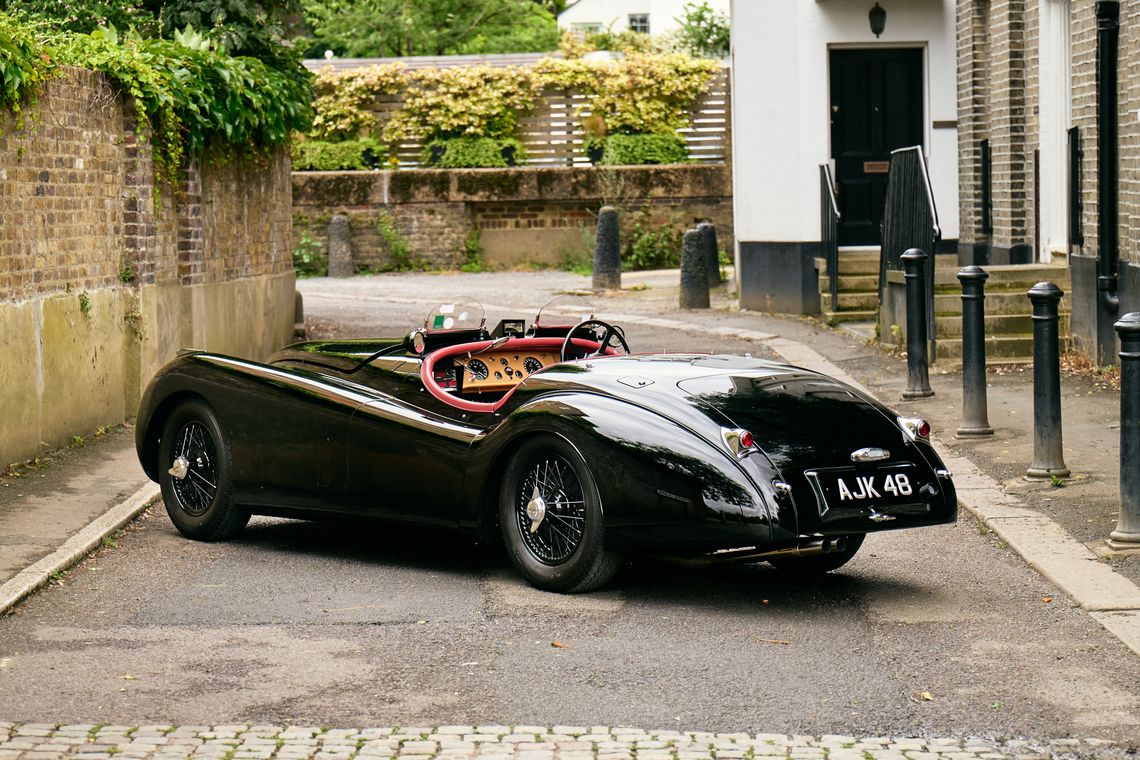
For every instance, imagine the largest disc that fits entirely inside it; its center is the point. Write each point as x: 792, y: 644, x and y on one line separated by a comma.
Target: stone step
x: 866, y: 283
x: 855, y: 301
x: 854, y: 315
x: 1020, y: 276
x: 998, y: 302
x: 950, y: 326
x: 999, y: 348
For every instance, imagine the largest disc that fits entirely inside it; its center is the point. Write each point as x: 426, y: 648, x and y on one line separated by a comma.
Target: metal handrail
x: 829, y: 223
x: 904, y: 226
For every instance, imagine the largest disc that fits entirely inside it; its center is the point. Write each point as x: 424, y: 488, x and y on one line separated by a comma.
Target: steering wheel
x: 610, y: 333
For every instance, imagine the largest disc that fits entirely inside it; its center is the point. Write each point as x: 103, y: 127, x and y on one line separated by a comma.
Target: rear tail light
x: 739, y: 441
x: 914, y: 428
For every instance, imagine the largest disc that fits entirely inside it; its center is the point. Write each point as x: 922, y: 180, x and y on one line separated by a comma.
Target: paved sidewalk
x: 494, y: 742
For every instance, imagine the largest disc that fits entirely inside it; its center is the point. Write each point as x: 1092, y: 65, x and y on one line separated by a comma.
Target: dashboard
x: 501, y: 370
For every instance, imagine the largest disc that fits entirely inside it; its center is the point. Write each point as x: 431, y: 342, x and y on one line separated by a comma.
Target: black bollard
x: 1048, y: 458
x: 694, y: 281
x: 1128, y: 525
x: 712, y: 255
x: 975, y: 417
x: 917, y: 367
x: 607, y: 251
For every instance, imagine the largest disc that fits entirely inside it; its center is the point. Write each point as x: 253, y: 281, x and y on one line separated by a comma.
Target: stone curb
x: 31, y: 578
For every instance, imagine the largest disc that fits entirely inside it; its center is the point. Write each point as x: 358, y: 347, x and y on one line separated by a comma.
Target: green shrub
x: 472, y: 152
x: 321, y: 156
x: 645, y: 149
x: 651, y: 246
x: 308, y: 261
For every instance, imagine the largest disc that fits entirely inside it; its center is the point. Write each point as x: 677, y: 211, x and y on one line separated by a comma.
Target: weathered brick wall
x: 102, y: 278
x: 61, y: 180
x: 1083, y: 31
x: 535, y: 215
x: 1129, y: 132
x: 973, y: 89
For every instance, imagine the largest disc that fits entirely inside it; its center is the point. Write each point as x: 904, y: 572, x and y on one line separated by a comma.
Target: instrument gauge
x: 477, y: 369
x: 532, y: 365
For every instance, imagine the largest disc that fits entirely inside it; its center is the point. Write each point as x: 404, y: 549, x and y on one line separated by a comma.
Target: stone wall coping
x: 528, y: 183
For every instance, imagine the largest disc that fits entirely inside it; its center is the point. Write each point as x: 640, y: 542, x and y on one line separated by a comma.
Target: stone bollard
x: 712, y: 255
x: 1127, y: 531
x: 975, y: 417
x: 917, y: 366
x: 340, y: 247
x: 298, y: 316
x: 1048, y: 458
x: 607, y: 251
x: 694, y: 281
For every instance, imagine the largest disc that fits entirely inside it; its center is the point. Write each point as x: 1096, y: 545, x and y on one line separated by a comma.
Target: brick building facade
x: 1032, y: 77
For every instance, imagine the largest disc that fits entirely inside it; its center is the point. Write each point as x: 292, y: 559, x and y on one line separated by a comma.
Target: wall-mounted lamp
x: 878, y: 18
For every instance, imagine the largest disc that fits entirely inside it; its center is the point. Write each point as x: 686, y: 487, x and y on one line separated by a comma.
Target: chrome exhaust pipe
x: 753, y: 554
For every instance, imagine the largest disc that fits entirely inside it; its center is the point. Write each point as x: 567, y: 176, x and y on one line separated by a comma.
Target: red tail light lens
x: 923, y: 429
x: 746, y: 439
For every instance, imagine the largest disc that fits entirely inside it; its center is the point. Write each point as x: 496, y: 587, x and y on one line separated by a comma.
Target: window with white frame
x: 639, y: 22
x: 582, y: 29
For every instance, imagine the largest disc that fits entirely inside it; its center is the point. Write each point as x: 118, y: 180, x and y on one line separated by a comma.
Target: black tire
x: 820, y: 563
x: 200, y: 503
x: 566, y: 551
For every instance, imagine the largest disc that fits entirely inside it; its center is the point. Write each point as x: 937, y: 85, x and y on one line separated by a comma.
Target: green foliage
x: 704, y: 32
x: 83, y: 16
x: 651, y: 245
x: 473, y: 253
x: 187, y: 92
x: 308, y: 261
x: 396, y: 246
x: 640, y: 94
x: 389, y: 28
x: 624, y: 41
x: 645, y: 149
x: 472, y: 152
x: 318, y: 155
x: 23, y: 66
x: 85, y: 304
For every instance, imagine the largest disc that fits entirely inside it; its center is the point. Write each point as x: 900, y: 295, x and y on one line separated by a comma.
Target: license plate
x: 848, y: 487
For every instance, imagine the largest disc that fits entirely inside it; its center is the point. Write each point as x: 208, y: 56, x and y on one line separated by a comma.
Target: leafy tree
x: 704, y: 32
x: 383, y: 28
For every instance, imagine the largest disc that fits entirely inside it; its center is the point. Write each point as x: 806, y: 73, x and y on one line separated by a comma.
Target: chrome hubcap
x: 180, y: 468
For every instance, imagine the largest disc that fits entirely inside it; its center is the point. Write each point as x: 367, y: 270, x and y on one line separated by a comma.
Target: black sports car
x: 551, y: 436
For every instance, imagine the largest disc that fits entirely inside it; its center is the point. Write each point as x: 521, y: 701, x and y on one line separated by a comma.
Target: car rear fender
x: 657, y: 479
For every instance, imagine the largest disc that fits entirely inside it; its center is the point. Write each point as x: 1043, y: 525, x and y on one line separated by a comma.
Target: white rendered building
x: 813, y: 84
x: 650, y: 16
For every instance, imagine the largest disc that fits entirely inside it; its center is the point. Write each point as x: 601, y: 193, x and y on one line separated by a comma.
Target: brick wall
x: 973, y: 80
x: 103, y: 276
x: 521, y: 215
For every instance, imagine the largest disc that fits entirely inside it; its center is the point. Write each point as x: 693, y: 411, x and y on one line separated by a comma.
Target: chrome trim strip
x: 870, y: 454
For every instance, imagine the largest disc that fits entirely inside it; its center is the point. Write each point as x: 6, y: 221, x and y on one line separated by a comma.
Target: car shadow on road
x: 643, y: 580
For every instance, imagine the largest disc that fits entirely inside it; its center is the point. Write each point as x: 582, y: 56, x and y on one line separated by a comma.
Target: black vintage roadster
x: 551, y: 436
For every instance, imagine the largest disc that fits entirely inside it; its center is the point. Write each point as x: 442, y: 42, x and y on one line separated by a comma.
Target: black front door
x: 876, y: 107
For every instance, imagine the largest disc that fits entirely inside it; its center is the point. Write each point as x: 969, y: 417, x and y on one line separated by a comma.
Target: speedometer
x: 532, y: 365
x: 477, y: 369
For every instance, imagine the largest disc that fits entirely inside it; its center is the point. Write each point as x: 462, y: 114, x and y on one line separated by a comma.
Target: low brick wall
x: 102, y: 280
x: 522, y: 215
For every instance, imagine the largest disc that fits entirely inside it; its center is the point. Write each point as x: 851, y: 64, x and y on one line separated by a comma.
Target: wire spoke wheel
x: 551, y: 510
x: 196, y: 450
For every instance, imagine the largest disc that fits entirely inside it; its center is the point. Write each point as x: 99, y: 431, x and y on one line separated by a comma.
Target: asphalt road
x: 939, y: 631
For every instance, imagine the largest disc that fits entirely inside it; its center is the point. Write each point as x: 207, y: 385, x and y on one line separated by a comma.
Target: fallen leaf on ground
x: 1046, y: 599
x: 922, y: 696
x: 772, y: 641
x: 557, y: 645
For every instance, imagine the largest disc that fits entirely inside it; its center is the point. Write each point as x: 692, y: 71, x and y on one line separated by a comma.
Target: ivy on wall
x: 187, y: 92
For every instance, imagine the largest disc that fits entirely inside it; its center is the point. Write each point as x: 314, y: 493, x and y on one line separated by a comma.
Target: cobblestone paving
x: 34, y: 741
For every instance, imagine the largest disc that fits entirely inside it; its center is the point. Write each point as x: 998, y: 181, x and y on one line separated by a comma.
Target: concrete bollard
x: 694, y: 281
x: 607, y: 251
x: 917, y: 366
x: 1127, y: 530
x: 298, y: 316
x: 1048, y: 457
x: 975, y: 416
x: 340, y: 247
x: 712, y: 255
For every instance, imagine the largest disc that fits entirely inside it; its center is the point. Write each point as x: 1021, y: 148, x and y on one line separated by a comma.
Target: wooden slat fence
x: 552, y: 133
